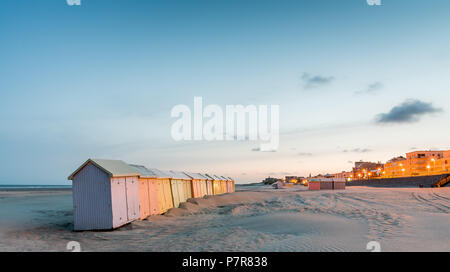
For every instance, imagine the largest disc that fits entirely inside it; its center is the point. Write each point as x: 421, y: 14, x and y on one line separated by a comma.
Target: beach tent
x: 199, y: 186
x: 105, y: 194
x: 209, y: 184
x: 181, y: 187
x: 148, y: 191
x: 165, y: 200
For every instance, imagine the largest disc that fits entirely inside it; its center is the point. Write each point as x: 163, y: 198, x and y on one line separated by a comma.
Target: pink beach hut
x: 148, y: 191
x: 199, y: 184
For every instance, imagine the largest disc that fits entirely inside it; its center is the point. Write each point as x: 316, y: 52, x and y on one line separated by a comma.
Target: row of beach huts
x: 108, y: 194
x: 326, y: 184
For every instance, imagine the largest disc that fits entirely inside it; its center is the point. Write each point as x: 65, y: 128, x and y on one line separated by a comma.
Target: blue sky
x: 99, y: 80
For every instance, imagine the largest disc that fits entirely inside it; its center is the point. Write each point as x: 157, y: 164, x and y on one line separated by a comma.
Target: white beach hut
x: 105, y: 194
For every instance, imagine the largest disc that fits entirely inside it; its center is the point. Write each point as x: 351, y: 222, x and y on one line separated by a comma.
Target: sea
x: 33, y: 187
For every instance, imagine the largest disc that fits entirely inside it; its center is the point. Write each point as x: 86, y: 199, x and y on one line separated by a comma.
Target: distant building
x: 271, y: 180
x: 367, y: 170
x: 293, y: 179
x: 418, y: 163
x: 344, y: 175
x: 324, y: 176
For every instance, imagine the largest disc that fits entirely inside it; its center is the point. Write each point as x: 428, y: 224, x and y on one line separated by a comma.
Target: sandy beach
x: 255, y: 218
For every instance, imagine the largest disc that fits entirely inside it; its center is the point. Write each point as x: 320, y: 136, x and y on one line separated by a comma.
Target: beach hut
x: 165, y: 200
x: 230, y: 185
x: 199, y: 184
x: 148, y: 191
x: 223, y: 184
x: 105, y: 194
x: 339, y: 184
x: 326, y: 184
x: 313, y: 184
x: 233, y: 184
x: 181, y: 187
x: 216, y: 182
x: 209, y: 184
x: 204, y: 185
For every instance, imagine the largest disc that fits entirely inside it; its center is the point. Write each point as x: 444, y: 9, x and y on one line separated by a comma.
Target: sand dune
x: 256, y: 218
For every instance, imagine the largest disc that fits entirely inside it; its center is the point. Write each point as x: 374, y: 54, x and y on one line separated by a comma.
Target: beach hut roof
x: 144, y: 171
x: 161, y: 173
x: 216, y: 177
x: 208, y: 177
x: 195, y: 175
x: 115, y: 168
x: 230, y: 179
x: 178, y: 175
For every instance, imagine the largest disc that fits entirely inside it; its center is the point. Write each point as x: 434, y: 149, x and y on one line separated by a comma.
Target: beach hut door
x: 132, y: 189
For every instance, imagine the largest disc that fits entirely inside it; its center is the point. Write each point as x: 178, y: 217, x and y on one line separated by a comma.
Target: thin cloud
x: 257, y: 149
x: 371, y: 89
x: 407, y: 112
x: 312, y: 81
x: 357, y: 150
